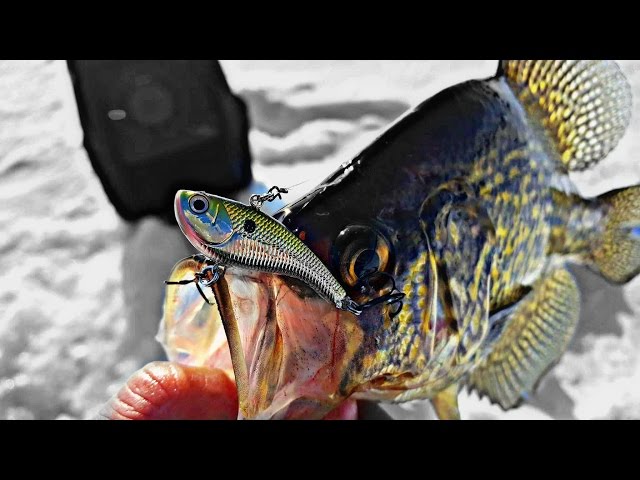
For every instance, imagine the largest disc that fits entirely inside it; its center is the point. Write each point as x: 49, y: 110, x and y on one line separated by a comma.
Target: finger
x: 347, y: 410
x: 169, y: 391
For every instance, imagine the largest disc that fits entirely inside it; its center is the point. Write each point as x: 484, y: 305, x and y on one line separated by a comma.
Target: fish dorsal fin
x: 584, y: 105
x: 532, y: 340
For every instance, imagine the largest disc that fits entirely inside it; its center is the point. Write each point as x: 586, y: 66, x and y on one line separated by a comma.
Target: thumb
x: 170, y: 391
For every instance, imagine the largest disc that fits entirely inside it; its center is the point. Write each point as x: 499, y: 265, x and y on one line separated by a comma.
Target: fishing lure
x: 230, y: 233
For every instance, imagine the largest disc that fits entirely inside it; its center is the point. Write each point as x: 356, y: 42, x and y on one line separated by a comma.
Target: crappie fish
x: 466, y: 206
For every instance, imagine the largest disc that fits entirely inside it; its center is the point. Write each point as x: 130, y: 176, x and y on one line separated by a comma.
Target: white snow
x: 80, y: 290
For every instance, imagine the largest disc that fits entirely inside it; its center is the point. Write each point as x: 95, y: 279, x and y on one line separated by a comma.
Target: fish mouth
x: 289, y: 351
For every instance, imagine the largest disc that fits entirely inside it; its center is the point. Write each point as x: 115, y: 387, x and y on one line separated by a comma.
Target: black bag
x: 152, y: 127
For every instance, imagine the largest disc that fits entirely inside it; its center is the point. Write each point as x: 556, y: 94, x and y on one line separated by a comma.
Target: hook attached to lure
x: 393, y: 297
x: 206, y: 278
x: 212, y: 273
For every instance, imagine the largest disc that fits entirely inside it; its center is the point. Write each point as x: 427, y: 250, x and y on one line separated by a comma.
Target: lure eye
x: 360, y: 251
x: 198, y: 204
x: 249, y: 226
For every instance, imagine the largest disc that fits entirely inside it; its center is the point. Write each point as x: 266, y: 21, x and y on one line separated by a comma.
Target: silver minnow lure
x: 234, y: 234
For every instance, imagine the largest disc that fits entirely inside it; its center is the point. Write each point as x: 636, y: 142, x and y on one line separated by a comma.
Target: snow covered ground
x: 80, y: 292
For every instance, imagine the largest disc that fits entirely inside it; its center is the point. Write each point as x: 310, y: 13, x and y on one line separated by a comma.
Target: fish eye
x: 360, y: 251
x: 198, y: 203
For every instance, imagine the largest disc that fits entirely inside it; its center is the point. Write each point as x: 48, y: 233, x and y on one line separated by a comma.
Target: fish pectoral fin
x: 462, y: 238
x: 531, y: 341
x: 445, y: 403
x: 584, y: 105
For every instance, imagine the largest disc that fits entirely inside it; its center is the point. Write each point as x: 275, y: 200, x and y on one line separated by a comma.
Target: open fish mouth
x: 288, y: 349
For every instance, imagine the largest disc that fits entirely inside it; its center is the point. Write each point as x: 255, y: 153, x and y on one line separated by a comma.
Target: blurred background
x: 81, y: 288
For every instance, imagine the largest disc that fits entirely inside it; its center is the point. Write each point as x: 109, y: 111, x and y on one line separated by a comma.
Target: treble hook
x: 394, y: 296
x: 210, y: 274
x: 207, y: 277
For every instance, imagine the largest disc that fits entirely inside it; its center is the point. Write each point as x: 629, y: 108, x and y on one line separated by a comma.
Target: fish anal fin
x: 584, y: 105
x: 445, y: 403
x: 531, y: 342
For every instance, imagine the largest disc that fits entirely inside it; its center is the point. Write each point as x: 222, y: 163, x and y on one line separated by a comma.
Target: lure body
x: 234, y: 234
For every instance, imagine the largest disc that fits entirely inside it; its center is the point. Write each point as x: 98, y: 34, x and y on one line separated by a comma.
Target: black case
x: 152, y: 127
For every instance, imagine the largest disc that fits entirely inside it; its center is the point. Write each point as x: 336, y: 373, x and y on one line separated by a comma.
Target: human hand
x: 170, y: 391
